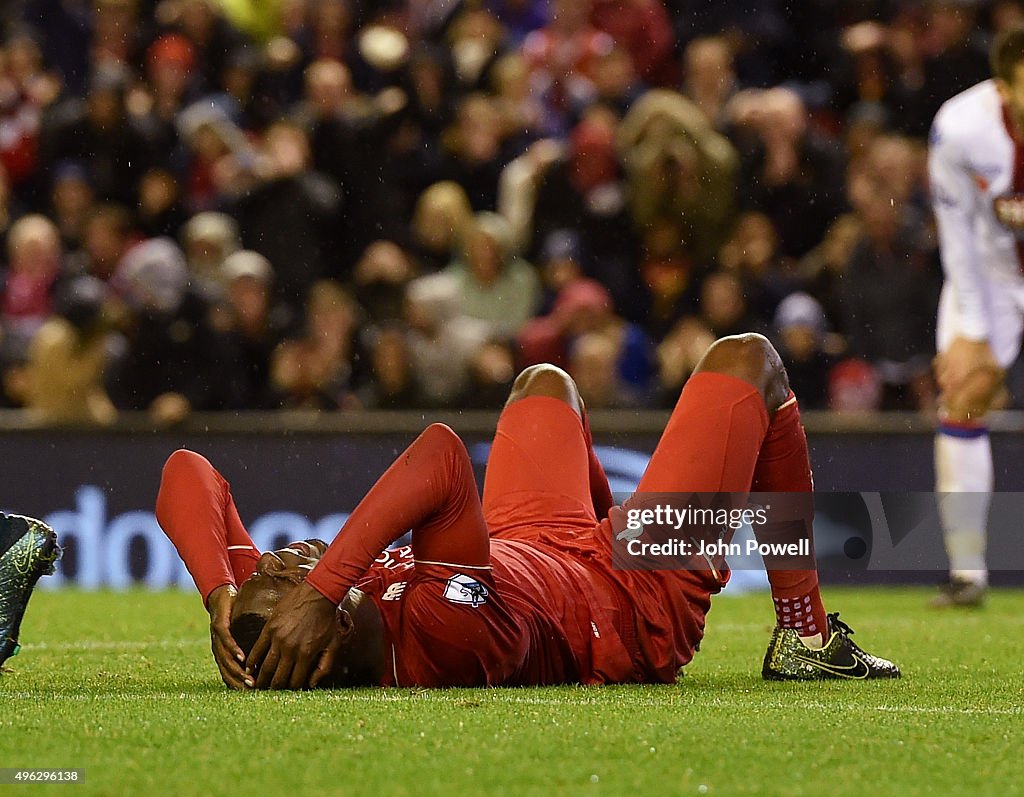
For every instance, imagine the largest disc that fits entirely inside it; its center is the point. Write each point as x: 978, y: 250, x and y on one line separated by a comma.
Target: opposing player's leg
x: 737, y: 426
x: 542, y: 470
x: 28, y: 550
x: 963, y: 451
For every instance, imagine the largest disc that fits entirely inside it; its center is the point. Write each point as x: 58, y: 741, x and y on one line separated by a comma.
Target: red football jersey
x: 533, y: 617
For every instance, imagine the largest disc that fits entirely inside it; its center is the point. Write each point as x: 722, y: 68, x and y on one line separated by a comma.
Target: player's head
x: 277, y: 573
x: 1007, y: 60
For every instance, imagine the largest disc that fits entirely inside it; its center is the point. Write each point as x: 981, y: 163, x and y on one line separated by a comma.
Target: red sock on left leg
x: 783, y: 465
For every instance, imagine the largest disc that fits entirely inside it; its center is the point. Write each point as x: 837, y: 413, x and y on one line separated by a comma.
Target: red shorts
x: 537, y: 489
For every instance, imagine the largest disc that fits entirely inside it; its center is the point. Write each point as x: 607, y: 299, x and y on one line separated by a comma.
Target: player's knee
x: 973, y: 400
x: 180, y: 463
x: 442, y: 439
x: 546, y: 380
x: 752, y: 358
x: 180, y: 469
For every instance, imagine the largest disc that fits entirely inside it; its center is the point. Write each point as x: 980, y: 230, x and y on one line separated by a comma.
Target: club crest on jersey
x: 1009, y: 210
x: 465, y: 589
x: 394, y: 591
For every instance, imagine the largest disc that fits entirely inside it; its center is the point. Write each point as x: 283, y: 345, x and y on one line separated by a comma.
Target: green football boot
x: 28, y: 550
x: 789, y: 659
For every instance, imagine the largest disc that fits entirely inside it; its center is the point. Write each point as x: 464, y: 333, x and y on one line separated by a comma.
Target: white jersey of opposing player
x: 976, y: 172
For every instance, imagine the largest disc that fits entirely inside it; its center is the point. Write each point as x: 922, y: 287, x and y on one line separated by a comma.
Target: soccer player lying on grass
x: 518, y: 589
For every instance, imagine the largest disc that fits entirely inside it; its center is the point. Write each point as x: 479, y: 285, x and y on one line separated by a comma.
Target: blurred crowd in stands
x: 342, y: 204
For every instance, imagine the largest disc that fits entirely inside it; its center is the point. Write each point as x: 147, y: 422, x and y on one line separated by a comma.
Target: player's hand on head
x: 294, y: 640
x: 226, y: 652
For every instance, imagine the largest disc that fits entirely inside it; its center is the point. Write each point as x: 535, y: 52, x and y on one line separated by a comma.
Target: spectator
x: 561, y: 56
x: 323, y: 368
x: 292, y: 215
x: 34, y: 259
x: 583, y: 188
x: 854, y: 386
x: 958, y: 59
x: 865, y: 123
x: 752, y: 253
x: 889, y: 295
x: 170, y: 62
x: 671, y: 276
x: 709, y: 80
x: 584, y: 307
x: 477, y: 42
x: 219, y: 157
x: 679, y: 168
x: 644, y: 29
x: 245, y: 97
x: 214, y: 40
x: 160, y: 213
x: 392, y: 384
x: 723, y: 306
x: 25, y: 90
x: 102, y: 135
x: 476, y: 150
x: 787, y: 170
x: 71, y: 202
x: 560, y: 261
x: 119, y: 33
x: 380, y: 279
x: 108, y: 233
x: 678, y: 355
x: 496, y: 286
x: 442, y: 339
x: 253, y: 324
x: 615, y: 82
x: 522, y: 114
x: 67, y: 359
x: 208, y: 238
x: 346, y: 133
x: 592, y: 364
x: 824, y: 266
x: 801, y: 334
x: 439, y: 221
x: 491, y: 372
x: 176, y: 361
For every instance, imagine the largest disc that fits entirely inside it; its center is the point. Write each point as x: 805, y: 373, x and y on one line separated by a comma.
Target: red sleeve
x: 196, y: 511
x: 430, y: 489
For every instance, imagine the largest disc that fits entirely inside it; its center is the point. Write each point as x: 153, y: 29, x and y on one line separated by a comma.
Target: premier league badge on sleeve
x: 465, y: 589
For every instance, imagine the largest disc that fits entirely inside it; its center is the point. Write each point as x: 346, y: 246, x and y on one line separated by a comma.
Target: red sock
x: 783, y: 465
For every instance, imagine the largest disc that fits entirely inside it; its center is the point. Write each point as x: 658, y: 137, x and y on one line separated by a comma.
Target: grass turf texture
x: 123, y: 686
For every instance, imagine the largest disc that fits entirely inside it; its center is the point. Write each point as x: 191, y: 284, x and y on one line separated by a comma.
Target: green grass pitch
x: 123, y: 686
